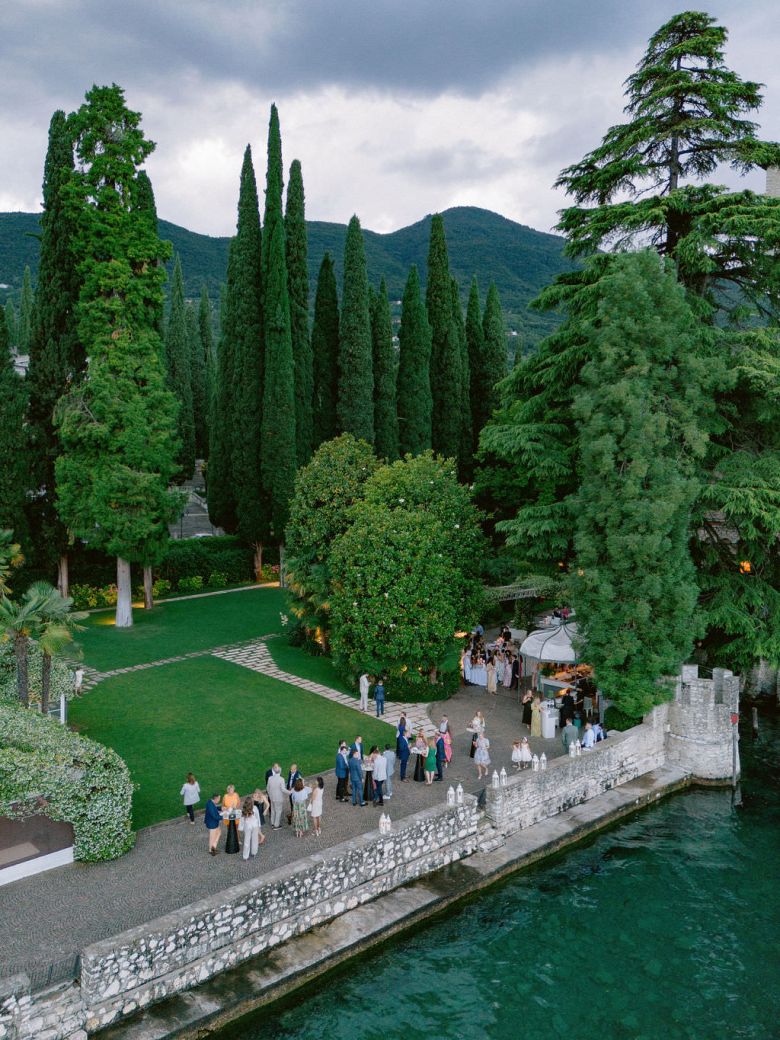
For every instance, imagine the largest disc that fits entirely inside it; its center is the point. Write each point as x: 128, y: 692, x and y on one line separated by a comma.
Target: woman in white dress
x: 315, y: 805
x: 481, y: 756
x: 491, y: 676
x: 249, y: 826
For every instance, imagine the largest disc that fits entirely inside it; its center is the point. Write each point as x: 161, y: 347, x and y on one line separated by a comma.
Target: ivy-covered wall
x: 47, y: 768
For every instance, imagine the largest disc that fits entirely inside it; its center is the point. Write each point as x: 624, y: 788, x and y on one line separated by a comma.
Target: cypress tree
x: 220, y: 485
x: 26, y: 307
x: 414, y: 380
x: 355, y: 406
x: 56, y: 354
x: 11, y: 324
x: 246, y: 329
x: 146, y: 206
x: 475, y: 340
x: 298, y: 285
x: 445, y: 347
x: 465, y: 444
x: 278, y: 441
x: 14, y: 459
x: 117, y: 428
x: 198, y: 372
x: 385, y: 412
x: 206, y: 350
x: 489, y: 364
x: 178, y: 371
x: 325, y: 353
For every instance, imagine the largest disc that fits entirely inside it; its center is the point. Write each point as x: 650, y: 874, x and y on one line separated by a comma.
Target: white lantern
x: 382, y: 824
x: 388, y: 825
x: 535, y: 763
x: 495, y: 779
x: 502, y: 776
x: 543, y: 761
x: 451, y: 795
x: 578, y: 745
x: 572, y: 750
x: 459, y: 794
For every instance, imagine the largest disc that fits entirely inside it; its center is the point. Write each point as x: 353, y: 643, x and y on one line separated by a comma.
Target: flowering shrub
x: 61, y: 680
x: 46, y: 768
x: 217, y: 580
x: 193, y: 584
x: 269, y: 572
x: 160, y: 588
x: 86, y: 597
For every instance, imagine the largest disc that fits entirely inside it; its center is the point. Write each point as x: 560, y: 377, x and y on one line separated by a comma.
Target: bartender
x: 567, y: 708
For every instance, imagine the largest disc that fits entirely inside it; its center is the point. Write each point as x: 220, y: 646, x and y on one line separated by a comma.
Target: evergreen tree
x: 465, y: 443
x: 643, y: 412
x: 220, y: 485
x: 14, y: 459
x: 278, y: 439
x: 118, y: 427
x: 245, y: 326
x: 446, y: 388
x: 414, y: 380
x: 475, y: 339
x: 11, y: 324
x: 179, y: 373
x: 26, y: 309
x: 198, y: 374
x: 146, y: 206
x: 385, y: 413
x: 325, y: 353
x: 203, y: 364
x: 355, y: 406
x: 298, y: 285
x: 56, y: 355
x: 491, y: 362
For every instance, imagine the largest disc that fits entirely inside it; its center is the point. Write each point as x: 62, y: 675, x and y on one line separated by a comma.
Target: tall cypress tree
x: 26, y: 308
x: 475, y: 340
x: 179, y: 374
x: 278, y: 440
x: 198, y: 374
x: 445, y: 347
x: 355, y: 406
x: 56, y: 354
x: 325, y: 353
x: 146, y: 206
x: 246, y: 329
x: 487, y: 348
x: 465, y: 443
x: 220, y: 485
x: 414, y: 365
x: 14, y: 459
x: 11, y: 323
x: 205, y: 347
x: 298, y: 285
x: 385, y: 411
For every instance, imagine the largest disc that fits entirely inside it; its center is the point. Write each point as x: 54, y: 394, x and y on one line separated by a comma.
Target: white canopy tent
x: 554, y: 644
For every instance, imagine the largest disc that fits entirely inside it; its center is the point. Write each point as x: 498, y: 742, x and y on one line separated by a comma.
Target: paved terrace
x: 49, y: 918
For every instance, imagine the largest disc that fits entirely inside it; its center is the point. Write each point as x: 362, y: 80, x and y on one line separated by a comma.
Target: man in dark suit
x: 403, y: 756
x: 441, y: 756
x: 567, y: 708
x: 342, y: 772
x: 515, y: 684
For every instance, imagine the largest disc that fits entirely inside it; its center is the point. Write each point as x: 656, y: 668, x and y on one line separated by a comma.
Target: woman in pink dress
x: 447, y: 746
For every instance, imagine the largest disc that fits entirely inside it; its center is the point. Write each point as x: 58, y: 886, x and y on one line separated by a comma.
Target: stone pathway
x: 257, y: 657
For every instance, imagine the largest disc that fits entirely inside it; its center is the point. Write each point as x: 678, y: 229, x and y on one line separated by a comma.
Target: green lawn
x: 296, y: 661
x: 181, y: 627
x: 223, y: 722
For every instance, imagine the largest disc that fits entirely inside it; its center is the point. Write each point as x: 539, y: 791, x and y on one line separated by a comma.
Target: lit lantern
x: 496, y: 779
x: 459, y: 794
x: 451, y: 795
x: 502, y: 776
x: 535, y: 764
x: 543, y: 761
x: 578, y: 746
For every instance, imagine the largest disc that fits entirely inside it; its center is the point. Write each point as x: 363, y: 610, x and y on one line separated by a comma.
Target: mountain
x: 519, y: 259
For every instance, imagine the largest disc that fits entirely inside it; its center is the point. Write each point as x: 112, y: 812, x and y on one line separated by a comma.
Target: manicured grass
x: 181, y: 627
x: 223, y: 722
x: 297, y: 661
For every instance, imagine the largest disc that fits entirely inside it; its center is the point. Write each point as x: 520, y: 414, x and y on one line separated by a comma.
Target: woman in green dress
x: 430, y: 761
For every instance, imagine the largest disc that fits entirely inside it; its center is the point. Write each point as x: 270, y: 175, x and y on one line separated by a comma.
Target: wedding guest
x: 190, y: 793
x: 315, y: 805
x: 379, y: 776
x: 441, y: 757
x: 276, y: 789
x: 212, y: 819
x: 356, y: 777
x: 536, y: 717
x: 365, y: 682
x: 300, y: 797
x: 491, y: 676
x: 517, y: 756
x: 567, y: 707
x: 342, y: 771
x: 249, y: 826
x: 232, y: 799
x: 420, y: 742
x: 447, y: 738
x: 527, y: 708
x: 430, y: 762
x: 481, y: 755
x: 262, y: 805
x: 379, y: 698
x: 569, y: 735
x: 293, y: 774
x: 508, y: 671
x: 390, y: 757
x: 403, y: 757
x: 588, y: 737
x: 525, y: 753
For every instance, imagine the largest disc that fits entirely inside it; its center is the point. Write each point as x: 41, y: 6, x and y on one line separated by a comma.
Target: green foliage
x: 14, y: 456
x: 492, y: 364
x: 221, y: 486
x: 445, y: 347
x: 61, y: 680
x: 325, y: 353
x: 355, y: 405
x: 298, y: 282
x: 190, y: 556
x: 414, y: 381
x: 480, y: 404
x: 615, y: 718
x: 26, y: 313
x: 193, y: 584
x: 12, y: 323
x: 205, y: 409
x: 178, y: 366
x: 200, y: 379
x: 217, y: 580
x: 81, y: 782
x: 325, y: 491
x: 88, y: 597
x: 466, y: 439
x: 385, y: 412
x: 118, y: 427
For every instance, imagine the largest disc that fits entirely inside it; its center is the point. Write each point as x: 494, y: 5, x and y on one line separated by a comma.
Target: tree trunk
x: 282, y: 583
x: 124, y: 594
x: 258, y: 564
x: 148, y: 594
x: 22, y: 680
x: 63, y: 578
x: 45, y: 683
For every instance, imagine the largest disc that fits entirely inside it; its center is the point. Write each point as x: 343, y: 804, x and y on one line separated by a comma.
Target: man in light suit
x: 365, y: 682
x: 276, y: 790
x: 390, y: 759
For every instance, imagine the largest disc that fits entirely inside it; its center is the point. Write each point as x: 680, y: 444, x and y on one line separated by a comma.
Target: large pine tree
x: 14, y: 458
x: 355, y: 407
x: 325, y: 353
x: 118, y: 428
x: 56, y: 354
x: 298, y: 285
x: 446, y: 389
x: 414, y: 380
x: 385, y: 413
x: 179, y: 372
x: 278, y: 440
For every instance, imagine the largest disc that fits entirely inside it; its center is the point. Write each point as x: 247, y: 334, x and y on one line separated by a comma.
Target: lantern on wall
x: 745, y: 567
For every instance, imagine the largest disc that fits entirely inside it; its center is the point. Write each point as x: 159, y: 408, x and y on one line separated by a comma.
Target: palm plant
x: 10, y: 557
x: 56, y: 628
x: 20, y: 622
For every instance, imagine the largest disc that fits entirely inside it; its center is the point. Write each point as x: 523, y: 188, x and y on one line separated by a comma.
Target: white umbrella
x: 551, y: 644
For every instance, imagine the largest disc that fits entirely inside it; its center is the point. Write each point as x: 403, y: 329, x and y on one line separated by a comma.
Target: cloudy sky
x: 396, y: 108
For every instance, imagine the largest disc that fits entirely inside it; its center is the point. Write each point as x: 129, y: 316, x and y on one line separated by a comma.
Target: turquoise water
x: 664, y: 927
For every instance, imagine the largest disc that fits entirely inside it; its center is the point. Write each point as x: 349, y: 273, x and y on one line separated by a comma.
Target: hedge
x: 47, y: 768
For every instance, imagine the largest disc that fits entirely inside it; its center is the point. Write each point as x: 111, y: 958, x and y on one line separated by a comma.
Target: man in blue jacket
x: 342, y: 772
x: 441, y: 756
x: 356, y: 778
x: 403, y: 756
x: 213, y: 821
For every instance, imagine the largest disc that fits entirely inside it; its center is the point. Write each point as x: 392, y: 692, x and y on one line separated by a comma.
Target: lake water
x: 666, y: 927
